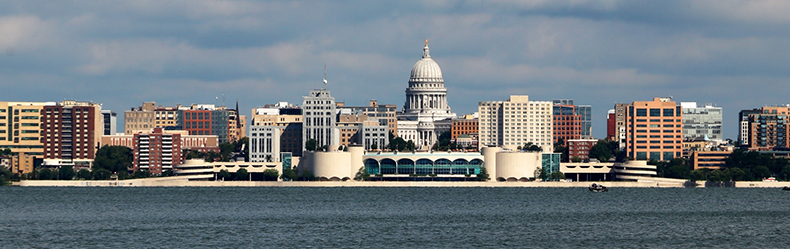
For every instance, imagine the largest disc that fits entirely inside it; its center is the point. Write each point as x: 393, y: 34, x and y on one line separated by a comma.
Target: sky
x: 733, y: 54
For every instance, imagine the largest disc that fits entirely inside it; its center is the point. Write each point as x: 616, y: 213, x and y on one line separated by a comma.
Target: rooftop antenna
x: 325, y: 76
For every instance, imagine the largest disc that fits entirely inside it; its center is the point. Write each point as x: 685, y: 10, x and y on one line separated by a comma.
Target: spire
x: 325, y: 76
x: 426, y: 53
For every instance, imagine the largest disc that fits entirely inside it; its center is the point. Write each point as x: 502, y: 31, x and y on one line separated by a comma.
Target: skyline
x: 597, y: 53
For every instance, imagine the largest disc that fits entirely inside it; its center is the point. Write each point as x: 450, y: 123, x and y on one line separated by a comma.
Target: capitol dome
x: 426, y: 69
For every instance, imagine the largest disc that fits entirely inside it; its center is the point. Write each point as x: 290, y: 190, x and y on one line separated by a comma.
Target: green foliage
x: 141, y: 174
x: 311, y: 145
x: 113, y: 158
x: 289, y: 174
x: 226, y: 151
x: 167, y: 172
x: 244, y: 142
x: 66, y: 172
x: 444, y: 142
x: 46, y: 174
x: 675, y: 168
x: 270, y: 175
x: 601, y: 151
x: 576, y: 159
x: 84, y: 174
x: 362, y: 174
x: 101, y: 174
x: 243, y: 175
x: 757, y: 166
x: 6, y: 152
x: 410, y: 146
x: 223, y: 174
x: 5, y: 175
x: 541, y: 173
x: 483, y: 176
x: 556, y: 176
x: 397, y: 144
x: 529, y: 147
x: 306, y: 175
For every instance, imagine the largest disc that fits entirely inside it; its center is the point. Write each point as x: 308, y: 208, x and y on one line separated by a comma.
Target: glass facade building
x: 701, y: 122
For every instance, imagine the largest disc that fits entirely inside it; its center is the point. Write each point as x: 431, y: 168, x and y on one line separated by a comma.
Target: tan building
x: 767, y: 128
x: 20, y: 127
x: 385, y: 114
x: 654, y: 130
x: 515, y: 122
x: 237, y: 125
x: 142, y: 118
x: 202, y: 143
x: 709, y: 159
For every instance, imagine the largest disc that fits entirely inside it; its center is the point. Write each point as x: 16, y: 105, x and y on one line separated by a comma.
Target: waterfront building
x: 110, y: 122
x: 515, y: 122
x: 654, y: 130
x: 200, y: 143
x: 466, y: 125
x: 620, y: 111
x: 288, y: 119
x: 142, y: 118
x: 582, y: 112
x: 156, y: 151
x: 580, y: 148
x: 71, y: 130
x: 767, y: 128
x: 319, y: 119
x: 204, y: 120
x: 611, y: 127
x: 701, y: 121
x: 237, y: 125
x: 709, y: 159
x: 426, y: 114
x: 385, y: 114
x: 20, y: 131
x: 567, y: 123
x: 744, y: 125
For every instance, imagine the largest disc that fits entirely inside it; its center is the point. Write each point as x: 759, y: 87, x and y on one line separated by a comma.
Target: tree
x: 168, y: 172
x: 529, y: 147
x: 306, y: 175
x: 410, y: 146
x: 541, y: 173
x: 374, y: 146
x: 310, y: 145
x: 483, y: 175
x: 66, y: 172
x: 46, y: 174
x: 243, y: 175
x: 601, y: 151
x: 223, y: 174
x: 289, y: 174
x: 784, y: 175
x: 84, y: 174
x: 101, y: 174
x: 576, y: 159
x: 270, y: 175
x: 362, y: 174
x: 113, y: 158
x: 141, y: 174
x: 226, y: 151
x: 556, y: 176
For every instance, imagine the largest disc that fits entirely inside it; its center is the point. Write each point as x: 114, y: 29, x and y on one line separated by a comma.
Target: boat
x: 598, y: 188
x: 786, y: 188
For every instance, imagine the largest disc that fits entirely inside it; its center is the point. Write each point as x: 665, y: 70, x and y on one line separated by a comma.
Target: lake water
x: 393, y: 217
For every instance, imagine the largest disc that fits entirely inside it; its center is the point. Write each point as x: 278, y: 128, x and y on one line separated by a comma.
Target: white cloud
x: 24, y: 33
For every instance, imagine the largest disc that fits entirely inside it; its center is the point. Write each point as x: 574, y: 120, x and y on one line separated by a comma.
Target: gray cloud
x: 122, y: 53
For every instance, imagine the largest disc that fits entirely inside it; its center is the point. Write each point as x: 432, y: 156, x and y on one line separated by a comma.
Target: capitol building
x: 426, y: 113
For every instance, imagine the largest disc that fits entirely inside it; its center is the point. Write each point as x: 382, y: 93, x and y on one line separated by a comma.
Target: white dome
x: 426, y: 69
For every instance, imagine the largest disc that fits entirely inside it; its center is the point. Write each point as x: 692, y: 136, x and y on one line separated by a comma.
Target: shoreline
x: 184, y: 182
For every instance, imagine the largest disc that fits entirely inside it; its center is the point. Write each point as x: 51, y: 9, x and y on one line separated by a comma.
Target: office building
x: 654, y: 130
x: 767, y: 128
x: 515, y: 122
x: 157, y: 151
x: 319, y: 119
x: 110, y: 122
x: 71, y: 130
x: 701, y: 121
x: 20, y: 131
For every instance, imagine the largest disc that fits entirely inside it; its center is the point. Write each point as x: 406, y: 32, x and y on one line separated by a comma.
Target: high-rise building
x: 288, y: 119
x: 385, y: 114
x: 319, y: 118
x: 769, y: 128
x: 110, y: 122
x: 654, y: 130
x: 426, y: 113
x: 72, y: 130
x: 611, y: 127
x: 620, y: 111
x: 20, y: 131
x: 701, y: 121
x: 515, y: 122
x: 567, y: 123
x: 156, y: 151
x: 744, y: 125
x: 584, y: 112
x: 204, y: 120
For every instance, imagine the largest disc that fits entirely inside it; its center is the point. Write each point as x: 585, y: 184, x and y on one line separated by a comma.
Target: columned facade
x: 426, y: 113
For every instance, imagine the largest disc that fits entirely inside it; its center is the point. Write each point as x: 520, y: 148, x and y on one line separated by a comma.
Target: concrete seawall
x: 183, y: 182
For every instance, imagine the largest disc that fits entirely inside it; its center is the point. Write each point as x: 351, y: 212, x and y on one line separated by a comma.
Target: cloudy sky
x: 734, y: 54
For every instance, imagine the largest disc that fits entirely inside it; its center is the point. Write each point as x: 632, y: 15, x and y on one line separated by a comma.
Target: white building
x: 701, y: 121
x: 318, y: 118
x: 515, y: 122
x: 426, y: 113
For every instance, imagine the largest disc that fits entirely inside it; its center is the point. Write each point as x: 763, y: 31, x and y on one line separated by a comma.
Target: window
x: 641, y: 112
x: 669, y: 112
x: 655, y: 112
